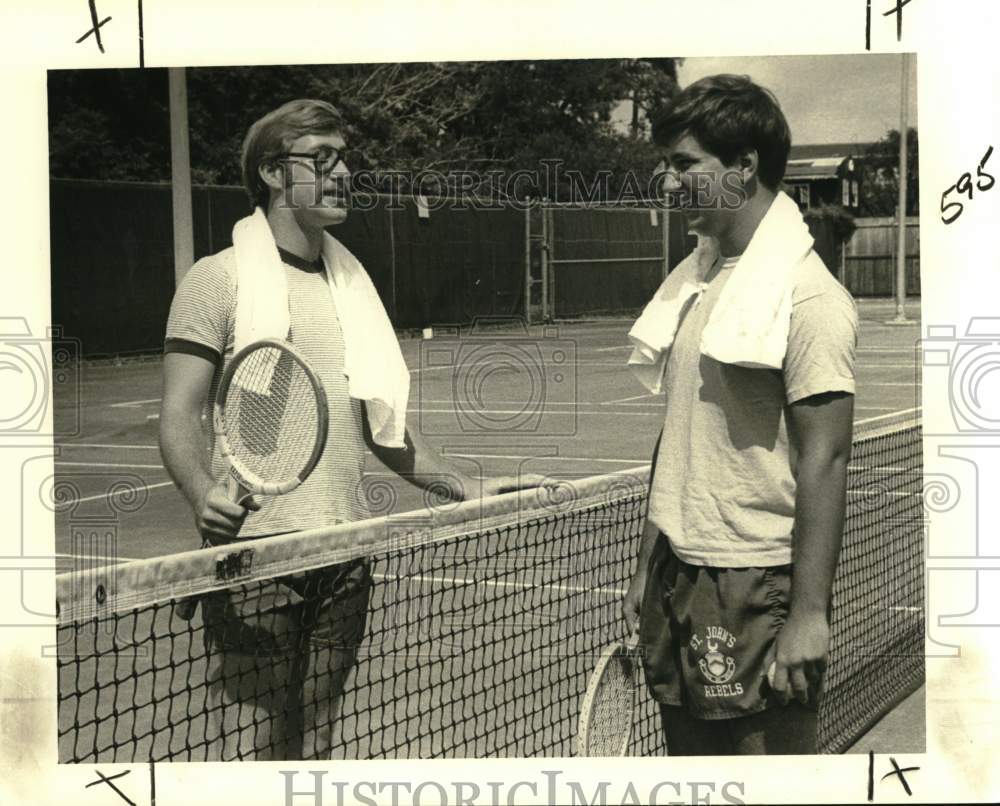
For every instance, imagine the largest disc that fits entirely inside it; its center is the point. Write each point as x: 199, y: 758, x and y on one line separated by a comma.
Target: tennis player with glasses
x: 279, y: 652
x: 752, y: 342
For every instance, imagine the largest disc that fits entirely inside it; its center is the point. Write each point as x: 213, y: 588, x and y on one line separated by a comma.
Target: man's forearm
x: 421, y: 465
x: 182, y: 445
x: 819, y: 525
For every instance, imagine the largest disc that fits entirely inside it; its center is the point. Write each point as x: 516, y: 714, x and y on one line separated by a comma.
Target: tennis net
x: 483, y: 623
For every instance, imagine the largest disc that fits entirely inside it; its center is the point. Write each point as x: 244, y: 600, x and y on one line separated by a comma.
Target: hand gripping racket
x: 271, y: 421
x: 608, y: 711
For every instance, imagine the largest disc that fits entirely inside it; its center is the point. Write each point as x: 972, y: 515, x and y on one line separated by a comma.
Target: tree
x: 880, y: 176
x: 109, y: 124
x: 654, y: 84
x: 446, y: 117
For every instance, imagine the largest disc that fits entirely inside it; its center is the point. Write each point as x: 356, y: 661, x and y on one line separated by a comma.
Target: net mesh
x: 475, y: 629
x: 270, y: 415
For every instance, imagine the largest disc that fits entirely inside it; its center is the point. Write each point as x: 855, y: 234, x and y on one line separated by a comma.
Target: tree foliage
x: 109, y: 124
x: 453, y: 116
x: 842, y: 223
x: 880, y: 176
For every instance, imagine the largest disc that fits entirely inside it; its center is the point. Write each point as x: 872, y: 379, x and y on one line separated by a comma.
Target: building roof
x: 821, y: 160
x: 820, y: 150
x: 820, y: 168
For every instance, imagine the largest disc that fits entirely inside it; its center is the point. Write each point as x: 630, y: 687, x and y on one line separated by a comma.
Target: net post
x: 545, y: 259
x: 900, y: 318
x: 551, y: 243
x: 180, y: 173
x: 392, y: 262
x: 665, y: 214
x: 527, y: 263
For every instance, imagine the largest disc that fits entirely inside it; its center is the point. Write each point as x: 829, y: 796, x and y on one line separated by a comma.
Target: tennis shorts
x: 705, y: 634
x: 279, y: 653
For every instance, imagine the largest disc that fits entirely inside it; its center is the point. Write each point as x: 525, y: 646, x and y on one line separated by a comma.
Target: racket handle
x: 236, y: 491
x: 186, y: 607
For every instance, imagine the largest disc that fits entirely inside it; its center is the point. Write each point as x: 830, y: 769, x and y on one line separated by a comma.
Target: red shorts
x: 705, y: 634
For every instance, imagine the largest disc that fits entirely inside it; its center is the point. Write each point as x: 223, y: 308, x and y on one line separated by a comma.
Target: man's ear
x: 272, y: 174
x: 748, y: 163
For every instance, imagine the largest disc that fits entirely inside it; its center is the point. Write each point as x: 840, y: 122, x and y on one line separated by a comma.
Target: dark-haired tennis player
x: 279, y: 652
x: 752, y: 342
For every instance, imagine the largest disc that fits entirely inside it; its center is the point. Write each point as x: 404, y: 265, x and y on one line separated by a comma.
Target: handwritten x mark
x: 96, y: 30
x: 103, y: 779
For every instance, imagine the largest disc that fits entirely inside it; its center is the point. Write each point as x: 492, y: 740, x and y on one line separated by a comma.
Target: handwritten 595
x: 951, y: 210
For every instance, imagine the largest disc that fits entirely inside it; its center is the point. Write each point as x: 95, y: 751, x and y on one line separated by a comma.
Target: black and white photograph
x: 583, y: 412
x: 456, y: 281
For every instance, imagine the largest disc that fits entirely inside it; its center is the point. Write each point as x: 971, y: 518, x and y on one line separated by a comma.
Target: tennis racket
x: 609, y: 706
x: 271, y: 421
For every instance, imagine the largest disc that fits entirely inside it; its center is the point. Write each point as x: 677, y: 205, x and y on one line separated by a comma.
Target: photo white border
x: 958, y: 82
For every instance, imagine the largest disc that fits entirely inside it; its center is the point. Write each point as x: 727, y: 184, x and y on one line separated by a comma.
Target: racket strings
x: 271, y: 414
x: 612, y: 711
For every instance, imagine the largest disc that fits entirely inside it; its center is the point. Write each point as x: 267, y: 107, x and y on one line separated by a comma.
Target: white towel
x: 749, y: 324
x: 373, y: 363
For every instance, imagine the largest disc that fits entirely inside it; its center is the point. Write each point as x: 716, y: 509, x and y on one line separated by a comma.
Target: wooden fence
x: 870, y: 258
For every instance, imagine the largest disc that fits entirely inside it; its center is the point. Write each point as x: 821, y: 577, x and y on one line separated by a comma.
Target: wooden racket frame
x: 242, y: 481
x: 618, y: 652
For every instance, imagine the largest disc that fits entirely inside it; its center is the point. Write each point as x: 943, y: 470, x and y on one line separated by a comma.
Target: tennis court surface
x: 486, y: 616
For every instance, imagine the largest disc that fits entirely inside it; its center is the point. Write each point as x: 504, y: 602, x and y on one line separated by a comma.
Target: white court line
x: 580, y: 363
x: 60, y: 463
x: 632, y: 462
x: 463, y: 455
x: 906, y: 350
x: 465, y: 403
x: 898, y: 413
x: 61, y: 555
x: 132, y: 403
x: 420, y: 370
x: 622, y: 365
x: 107, y: 445
x: 519, y: 411
x: 127, y: 490
x: 627, y: 399
x: 882, y: 468
x: 503, y: 584
x: 484, y: 411
x: 518, y: 402
x: 917, y: 494
x: 547, y: 414
x: 579, y: 412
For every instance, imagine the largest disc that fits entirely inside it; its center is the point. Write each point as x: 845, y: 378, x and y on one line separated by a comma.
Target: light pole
x: 900, y: 317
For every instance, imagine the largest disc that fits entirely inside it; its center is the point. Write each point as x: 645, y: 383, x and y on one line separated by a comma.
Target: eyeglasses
x: 325, y: 160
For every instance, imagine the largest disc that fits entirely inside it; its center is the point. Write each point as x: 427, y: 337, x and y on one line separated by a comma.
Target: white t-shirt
x: 724, y: 487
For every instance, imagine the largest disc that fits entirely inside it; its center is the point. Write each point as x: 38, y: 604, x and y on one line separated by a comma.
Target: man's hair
x: 728, y: 114
x: 269, y: 139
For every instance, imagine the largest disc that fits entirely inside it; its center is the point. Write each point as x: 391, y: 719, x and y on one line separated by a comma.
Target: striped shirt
x: 202, y: 323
